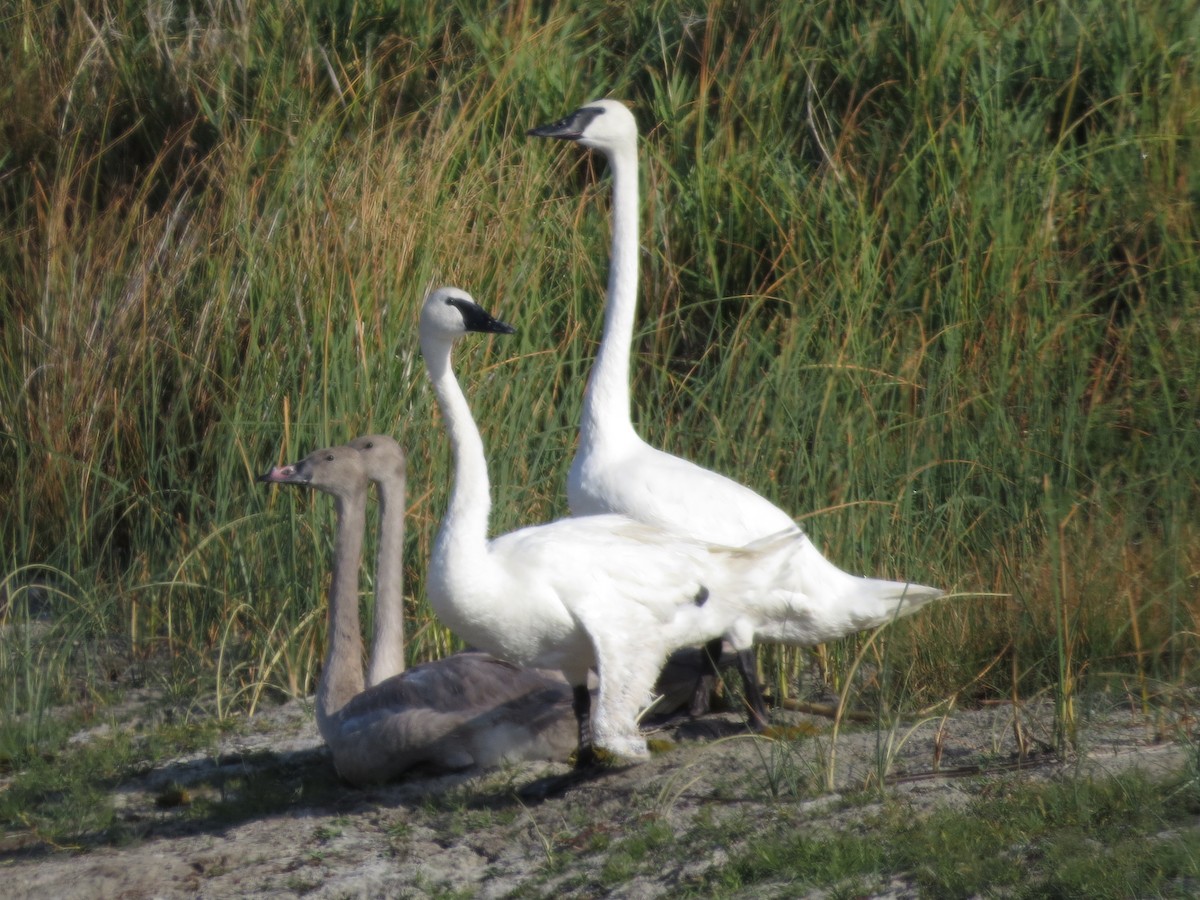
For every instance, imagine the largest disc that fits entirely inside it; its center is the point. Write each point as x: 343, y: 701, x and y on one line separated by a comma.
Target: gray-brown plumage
x: 466, y: 711
x: 386, y: 470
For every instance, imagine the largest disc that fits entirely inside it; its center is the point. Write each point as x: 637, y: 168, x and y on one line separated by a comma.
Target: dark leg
x: 710, y: 657
x: 748, y: 667
x: 582, y: 705
x: 587, y: 765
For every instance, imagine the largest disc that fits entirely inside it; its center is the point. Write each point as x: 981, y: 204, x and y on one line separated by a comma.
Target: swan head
x: 604, y: 125
x: 335, y: 470
x: 449, y: 313
x: 382, y: 456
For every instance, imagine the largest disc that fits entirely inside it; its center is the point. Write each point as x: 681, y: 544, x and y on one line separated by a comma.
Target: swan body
x: 383, y: 460
x: 616, y: 471
x: 603, y: 591
x: 466, y: 711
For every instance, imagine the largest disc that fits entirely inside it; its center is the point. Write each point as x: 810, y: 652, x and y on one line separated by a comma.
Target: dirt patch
x: 305, y: 833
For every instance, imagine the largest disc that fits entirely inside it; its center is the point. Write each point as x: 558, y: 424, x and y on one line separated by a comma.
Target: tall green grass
x: 925, y: 274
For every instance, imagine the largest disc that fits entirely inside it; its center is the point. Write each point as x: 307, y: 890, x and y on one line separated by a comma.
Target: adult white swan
x: 615, y: 471
x: 384, y: 463
x: 603, y: 591
x: 466, y: 711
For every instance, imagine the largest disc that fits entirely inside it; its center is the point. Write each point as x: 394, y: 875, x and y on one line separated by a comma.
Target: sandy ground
x: 476, y: 836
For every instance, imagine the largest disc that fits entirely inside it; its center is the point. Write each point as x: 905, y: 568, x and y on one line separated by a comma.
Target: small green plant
x: 786, y: 770
x: 637, y: 851
x: 325, y: 833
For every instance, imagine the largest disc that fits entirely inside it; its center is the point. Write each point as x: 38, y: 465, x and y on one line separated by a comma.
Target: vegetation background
x: 924, y: 273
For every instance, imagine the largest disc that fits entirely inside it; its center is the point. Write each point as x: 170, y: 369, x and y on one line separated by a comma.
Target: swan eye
x: 369, y: 445
x: 329, y: 458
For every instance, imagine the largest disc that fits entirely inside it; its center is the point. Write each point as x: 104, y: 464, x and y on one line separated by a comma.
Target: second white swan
x: 616, y: 471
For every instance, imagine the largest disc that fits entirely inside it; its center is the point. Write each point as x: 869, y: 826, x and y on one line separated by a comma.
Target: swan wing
x: 462, y: 681
x: 466, y: 710
x: 612, y: 561
x: 672, y: 493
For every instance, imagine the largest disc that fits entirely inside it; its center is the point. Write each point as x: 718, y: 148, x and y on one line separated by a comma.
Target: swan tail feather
x: 877, y: 602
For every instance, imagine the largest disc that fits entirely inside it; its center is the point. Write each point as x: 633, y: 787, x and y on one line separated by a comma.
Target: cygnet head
x: 604, y: 125
x: 382, y: 456
x: 449, y: 313
x: 336, y: 470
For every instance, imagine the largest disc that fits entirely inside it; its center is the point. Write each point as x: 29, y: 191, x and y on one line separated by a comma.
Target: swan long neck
x: 606, y: 406
x: 387, y: 652
x: 464, y: 527
x: 342, y: 677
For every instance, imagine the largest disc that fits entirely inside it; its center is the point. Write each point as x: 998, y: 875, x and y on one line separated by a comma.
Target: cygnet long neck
x: 387, y: 652
x: 606, y: 408
x: 342, y: 678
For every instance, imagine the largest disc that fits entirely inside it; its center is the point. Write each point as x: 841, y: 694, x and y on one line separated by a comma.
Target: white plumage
x: 615, y: 471
x: 603, y: 591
